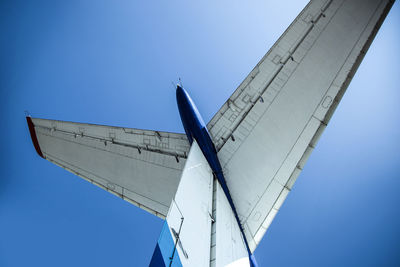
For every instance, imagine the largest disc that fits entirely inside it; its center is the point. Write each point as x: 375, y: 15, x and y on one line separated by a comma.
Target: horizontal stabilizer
x: 140, y: 166
x: 267, y: 129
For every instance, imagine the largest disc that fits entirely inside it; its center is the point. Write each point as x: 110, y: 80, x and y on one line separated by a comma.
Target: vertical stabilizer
x: 230, y: 246
x: 185, y: 238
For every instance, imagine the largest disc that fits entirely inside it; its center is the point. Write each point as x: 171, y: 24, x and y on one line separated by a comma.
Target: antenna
x: 180, y: 82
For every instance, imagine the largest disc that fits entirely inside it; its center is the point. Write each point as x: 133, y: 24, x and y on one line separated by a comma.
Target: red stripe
x: 33, y: 136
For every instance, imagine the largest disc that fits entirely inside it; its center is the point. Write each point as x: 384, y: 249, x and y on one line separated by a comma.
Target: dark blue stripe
x: 157, y: 259
x: 164, y: 249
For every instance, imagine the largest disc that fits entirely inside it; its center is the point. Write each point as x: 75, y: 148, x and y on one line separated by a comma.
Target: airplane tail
x: 200, y: 228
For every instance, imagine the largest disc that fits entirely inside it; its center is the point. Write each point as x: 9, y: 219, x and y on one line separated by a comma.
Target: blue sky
x: 112, y: 62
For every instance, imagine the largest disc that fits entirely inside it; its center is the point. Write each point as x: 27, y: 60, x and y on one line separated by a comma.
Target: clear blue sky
x: 112, y: 62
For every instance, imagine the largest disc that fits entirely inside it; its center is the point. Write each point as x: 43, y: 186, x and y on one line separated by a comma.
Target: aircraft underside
x: 220, y: 185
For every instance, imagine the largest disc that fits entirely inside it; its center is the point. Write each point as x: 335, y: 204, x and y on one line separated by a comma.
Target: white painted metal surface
x: 243, y: 262
x: 143, y: 167
x: 267, y: 129
x: 193, y: 202
x: 230, y: 246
